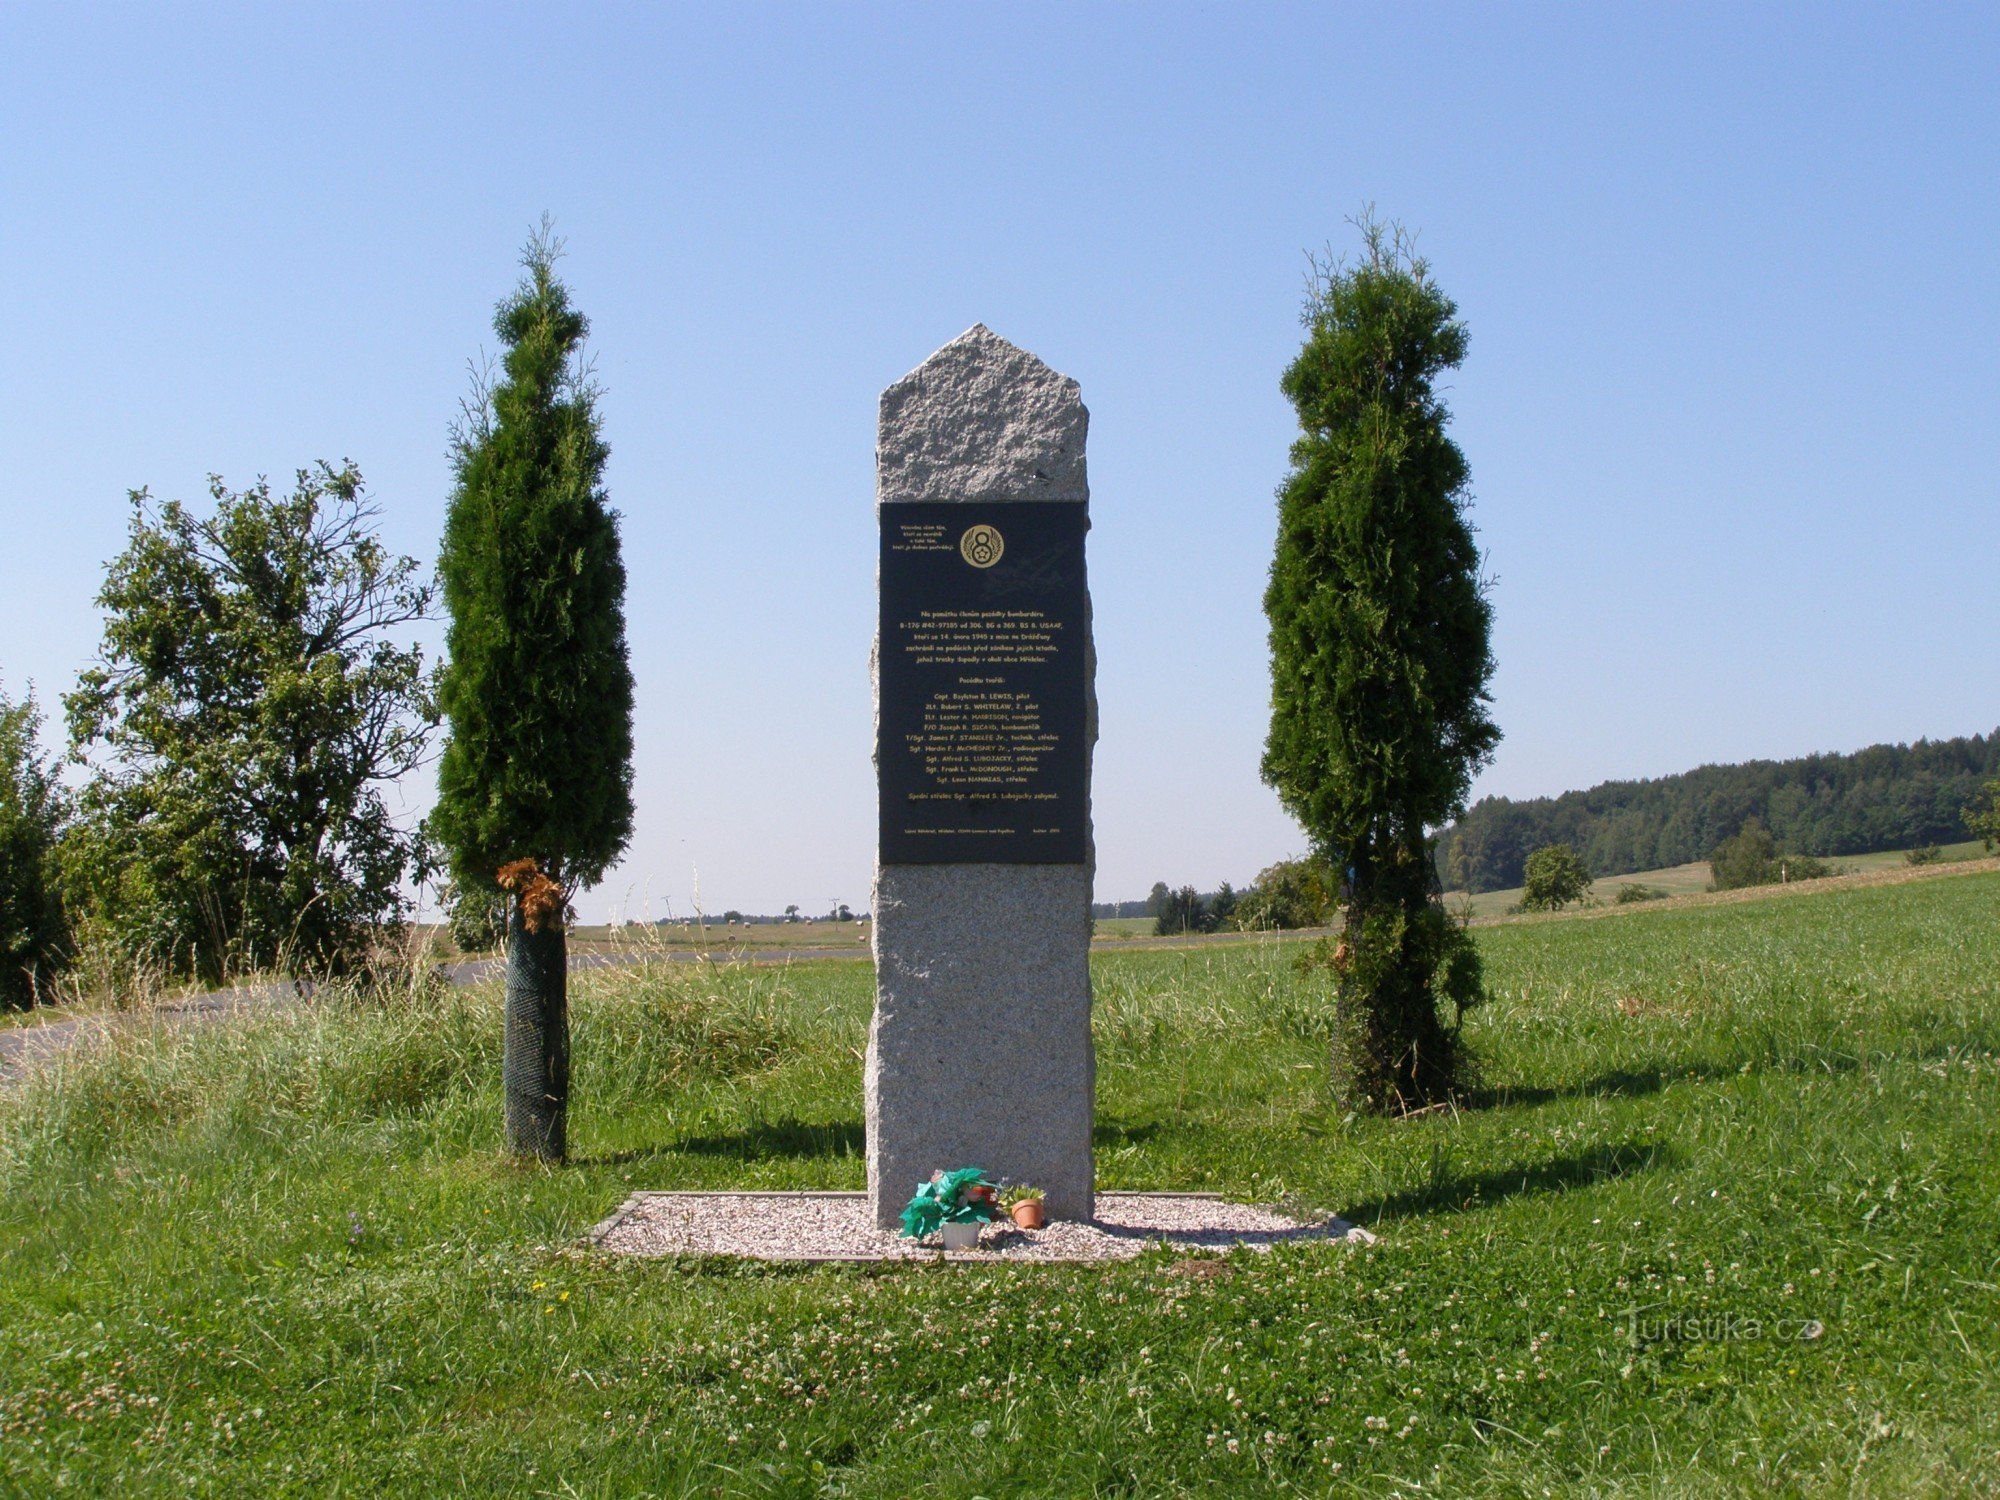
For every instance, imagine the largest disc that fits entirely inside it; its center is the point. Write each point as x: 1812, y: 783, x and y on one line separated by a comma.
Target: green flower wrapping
x: 960, y: 1197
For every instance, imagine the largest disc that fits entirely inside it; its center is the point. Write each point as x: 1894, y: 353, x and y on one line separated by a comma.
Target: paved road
x: 23, y: 1046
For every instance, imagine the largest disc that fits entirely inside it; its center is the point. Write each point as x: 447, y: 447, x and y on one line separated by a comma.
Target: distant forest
x: 1884, y: 797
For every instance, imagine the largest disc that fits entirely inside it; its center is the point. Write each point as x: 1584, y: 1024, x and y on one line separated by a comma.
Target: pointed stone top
x: 981, y: 420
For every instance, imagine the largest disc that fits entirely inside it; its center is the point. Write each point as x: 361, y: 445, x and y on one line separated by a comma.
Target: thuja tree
x: 535, y: 786
x: 1380, y: 659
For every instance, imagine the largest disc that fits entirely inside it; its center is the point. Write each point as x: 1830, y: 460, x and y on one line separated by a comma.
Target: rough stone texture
x: 981, y: 420
x: 840, y: 1227
x: 980, y: 1050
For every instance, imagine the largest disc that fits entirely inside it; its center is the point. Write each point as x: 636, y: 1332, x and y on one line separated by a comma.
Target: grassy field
x: 1725, y: 1221
x: 1683, y: 880
x: 1120, y: 929
x: 768, y: 937
x: 718, y: 936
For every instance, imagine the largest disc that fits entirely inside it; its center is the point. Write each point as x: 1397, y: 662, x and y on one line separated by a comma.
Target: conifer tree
x: 535, y: 786
x: 1380, y: 658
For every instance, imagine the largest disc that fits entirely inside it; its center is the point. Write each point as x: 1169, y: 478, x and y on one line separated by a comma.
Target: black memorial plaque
x: 980, y: 751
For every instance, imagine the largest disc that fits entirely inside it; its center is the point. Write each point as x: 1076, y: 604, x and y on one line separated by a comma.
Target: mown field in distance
x: 714, y: 935
x: 1725, y: 1222
x: 777, y: 936
x: 1683, y: 880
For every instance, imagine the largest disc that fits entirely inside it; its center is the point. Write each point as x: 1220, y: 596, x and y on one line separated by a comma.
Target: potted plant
x: 1024, y: 1204
x: 954, y: 1203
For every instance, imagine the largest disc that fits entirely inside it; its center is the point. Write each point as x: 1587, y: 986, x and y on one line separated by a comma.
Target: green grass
x: 718, y: 936
x: 284, y: 1257
x: 715, y: 935
x: 1118, y: 929
x: 1684, y: 880
x: 1896, y: 858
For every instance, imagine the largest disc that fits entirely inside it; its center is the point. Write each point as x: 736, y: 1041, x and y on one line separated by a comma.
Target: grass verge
x: 1726, y: 1221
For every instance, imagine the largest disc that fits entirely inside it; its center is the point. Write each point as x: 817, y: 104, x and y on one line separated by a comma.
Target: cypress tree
x: 1380, y: 659
x: 535, y: 786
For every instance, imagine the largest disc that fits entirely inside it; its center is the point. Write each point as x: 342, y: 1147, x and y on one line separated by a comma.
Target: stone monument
x: 986, y: 713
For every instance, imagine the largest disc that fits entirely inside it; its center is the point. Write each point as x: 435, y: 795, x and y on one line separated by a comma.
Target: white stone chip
x: 841, y: 1227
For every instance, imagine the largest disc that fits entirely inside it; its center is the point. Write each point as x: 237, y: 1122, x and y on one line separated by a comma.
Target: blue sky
x: 1730, y: 406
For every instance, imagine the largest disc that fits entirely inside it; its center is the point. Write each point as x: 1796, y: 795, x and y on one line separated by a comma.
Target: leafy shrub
x: 1928, y: 854
x: 1745, y: 860
x: 476, y: 916
x: 1556, y: 877
x: 1292, y: 893
x: 1982, y: 820
x: 33, y: 939
x: 1752, y: 858
x: 249, y: 705
x: 1636, y: 892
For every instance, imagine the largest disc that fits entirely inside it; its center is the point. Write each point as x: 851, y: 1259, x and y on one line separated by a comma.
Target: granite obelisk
x: 986, y: 714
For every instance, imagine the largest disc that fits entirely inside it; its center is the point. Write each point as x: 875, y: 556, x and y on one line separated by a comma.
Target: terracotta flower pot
x: 1030, y: 1214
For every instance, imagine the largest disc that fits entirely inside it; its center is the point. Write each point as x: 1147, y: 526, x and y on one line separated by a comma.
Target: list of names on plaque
x: 981, y: 749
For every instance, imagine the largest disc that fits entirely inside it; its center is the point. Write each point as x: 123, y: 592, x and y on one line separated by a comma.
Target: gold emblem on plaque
x: 981, y: 546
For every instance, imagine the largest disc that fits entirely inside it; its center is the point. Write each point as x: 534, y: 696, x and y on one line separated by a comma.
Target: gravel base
x: 839, y: 1227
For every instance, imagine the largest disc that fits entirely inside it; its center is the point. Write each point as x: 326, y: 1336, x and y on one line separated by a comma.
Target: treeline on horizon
x: 1883, y: 797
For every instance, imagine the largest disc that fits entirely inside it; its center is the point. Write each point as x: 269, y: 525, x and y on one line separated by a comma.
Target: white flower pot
x: 961, y: 1236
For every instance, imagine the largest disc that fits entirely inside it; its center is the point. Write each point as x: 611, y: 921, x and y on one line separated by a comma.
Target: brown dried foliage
x: 541, y: 898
